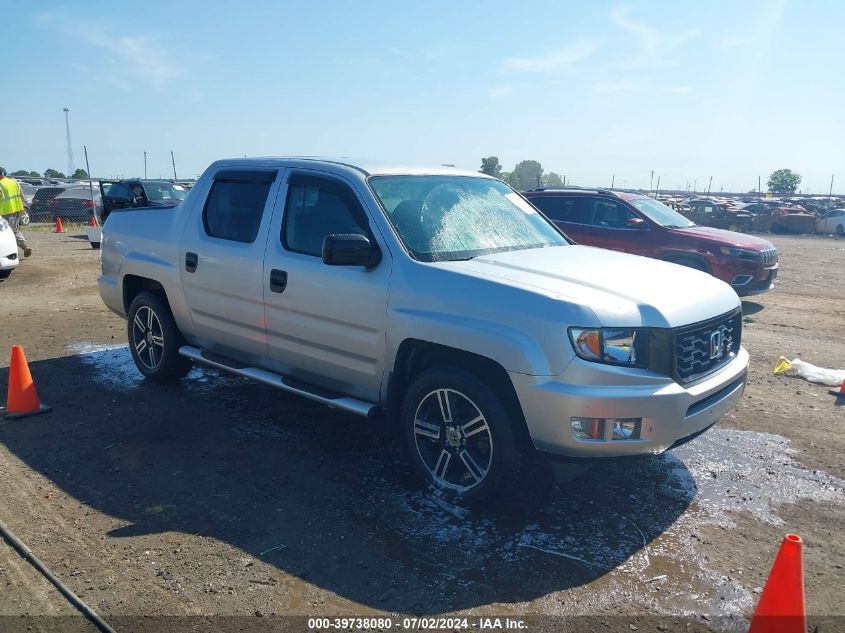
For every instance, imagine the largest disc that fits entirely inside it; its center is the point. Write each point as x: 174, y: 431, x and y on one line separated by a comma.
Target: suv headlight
x: 740, y: 253
x: 3, y: 224
x: 627, y: 347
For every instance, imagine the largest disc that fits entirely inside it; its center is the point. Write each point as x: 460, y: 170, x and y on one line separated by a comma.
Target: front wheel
x: 154, y: 339
x: 461, y: 436
x: 840, y: 231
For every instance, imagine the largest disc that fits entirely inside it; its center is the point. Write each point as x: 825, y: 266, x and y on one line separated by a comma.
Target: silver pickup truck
x: 439, y: 300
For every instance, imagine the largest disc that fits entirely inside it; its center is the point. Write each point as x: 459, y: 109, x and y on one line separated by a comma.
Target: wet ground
x: 220, y: 497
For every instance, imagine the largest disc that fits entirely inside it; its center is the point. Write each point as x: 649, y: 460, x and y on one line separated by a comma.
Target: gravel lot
x: 219, y: 497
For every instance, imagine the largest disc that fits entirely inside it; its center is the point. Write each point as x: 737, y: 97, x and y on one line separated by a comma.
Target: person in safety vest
x: 11, y: 205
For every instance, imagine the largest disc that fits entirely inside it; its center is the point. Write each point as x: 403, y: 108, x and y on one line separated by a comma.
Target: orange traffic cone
x: 841, y: 392
x: 59, y: 227
x: 22, y: 399
x: 781, y: 607
x: 93, y: 221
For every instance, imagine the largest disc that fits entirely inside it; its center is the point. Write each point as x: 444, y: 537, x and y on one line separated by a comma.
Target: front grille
x: 770, y: 256
x: 702, y: 348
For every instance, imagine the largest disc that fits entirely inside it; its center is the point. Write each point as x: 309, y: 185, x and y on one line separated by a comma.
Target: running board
x: 324, y: 396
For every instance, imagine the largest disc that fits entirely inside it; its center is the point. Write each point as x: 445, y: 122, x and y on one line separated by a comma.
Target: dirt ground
x: 223, y: 505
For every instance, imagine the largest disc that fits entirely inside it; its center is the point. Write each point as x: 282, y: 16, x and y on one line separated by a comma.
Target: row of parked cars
x: 768, y: 215
x: 83, y: 199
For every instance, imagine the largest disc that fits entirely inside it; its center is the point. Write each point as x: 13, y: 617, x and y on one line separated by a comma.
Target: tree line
x: 529, y: 174
x: 48, y: 173
x: 526, y: 174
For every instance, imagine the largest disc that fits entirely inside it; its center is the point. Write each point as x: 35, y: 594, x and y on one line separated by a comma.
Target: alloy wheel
x: 147, y: 337
x: 453, y: 440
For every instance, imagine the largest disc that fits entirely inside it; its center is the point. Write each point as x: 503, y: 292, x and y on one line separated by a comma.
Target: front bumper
x: 746, y: 285
x: 670, y: 412
x: 8, y: 250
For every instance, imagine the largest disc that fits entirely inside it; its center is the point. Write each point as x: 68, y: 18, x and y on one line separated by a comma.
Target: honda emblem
x: 716, y: 345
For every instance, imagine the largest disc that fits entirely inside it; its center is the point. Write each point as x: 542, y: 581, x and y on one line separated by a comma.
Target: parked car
x: 636, y: 224
x: 832, y: 222
x: 718, y: 215
x: 128, y: 194
x: 76, y: 203
x: 785, y: 220
x: 436, y: 299
x: 8, y: 249
x: 39, y: 208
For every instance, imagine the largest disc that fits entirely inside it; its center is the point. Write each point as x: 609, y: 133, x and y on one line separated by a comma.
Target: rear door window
x: 235, y: 205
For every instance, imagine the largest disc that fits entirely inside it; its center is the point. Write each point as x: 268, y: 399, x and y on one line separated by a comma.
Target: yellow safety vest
x: 11, y: 199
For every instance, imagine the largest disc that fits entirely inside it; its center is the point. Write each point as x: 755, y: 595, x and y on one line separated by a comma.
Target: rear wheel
x: 154, y: 339
x: 4, y: 274
x: 461, y: 436
x: 840, y: 230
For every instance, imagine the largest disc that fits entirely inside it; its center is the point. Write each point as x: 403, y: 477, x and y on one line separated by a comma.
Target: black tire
x: 495, y: 454
x: 840, y: 231
x: 689, y: 262
x: 151, y: 321
x: 4, y: 274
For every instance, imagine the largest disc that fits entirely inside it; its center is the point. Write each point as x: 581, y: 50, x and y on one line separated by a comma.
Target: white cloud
x: 655, y: 47
x: 131, y: 58
x: 573, y: 52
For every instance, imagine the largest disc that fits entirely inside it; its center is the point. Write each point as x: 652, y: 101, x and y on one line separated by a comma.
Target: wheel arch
x: 415, y: 356
x: 676, y: 257
x: 133, y: 285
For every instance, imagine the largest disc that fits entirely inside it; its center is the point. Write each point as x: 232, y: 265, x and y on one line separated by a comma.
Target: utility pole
x: 709, y: 184
x: 658, y: 184
x: 613, y: 181
x: 695, y: 185
x: 145, y: 164
x: 651, y: 181
x: 70, y: 168
x: 830, y: 191
x: 173, y: 160
x: 759, y: 190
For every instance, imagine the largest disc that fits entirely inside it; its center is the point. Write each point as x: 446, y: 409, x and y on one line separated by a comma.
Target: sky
x: 598, y: 91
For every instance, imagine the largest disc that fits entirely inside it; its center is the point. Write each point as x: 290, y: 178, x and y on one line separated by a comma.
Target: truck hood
x: 620, y: 289
x: 724, y: 238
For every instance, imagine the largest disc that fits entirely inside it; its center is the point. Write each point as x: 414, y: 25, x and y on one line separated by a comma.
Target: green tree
x: 552, y: 180
x: 528, y: 174
x: 491, y: 166
x: 509, y: 178
x: 784, y: 181
x: 52, y: 173
x: 80, y: 173
x: 34, y: 174
x: 20, y: 172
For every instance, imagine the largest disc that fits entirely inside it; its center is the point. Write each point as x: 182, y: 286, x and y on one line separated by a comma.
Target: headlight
x: 613, y: 346
x: 3, y: 224
x: 740, y: 253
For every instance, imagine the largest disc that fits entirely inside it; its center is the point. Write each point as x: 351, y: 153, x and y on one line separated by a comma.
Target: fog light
x: 587, y: 428
x: 626, y: 428
x: 741, y: 280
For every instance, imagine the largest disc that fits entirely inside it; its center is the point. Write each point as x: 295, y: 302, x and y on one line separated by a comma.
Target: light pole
x: 70, y: 169
x: 145, y: 165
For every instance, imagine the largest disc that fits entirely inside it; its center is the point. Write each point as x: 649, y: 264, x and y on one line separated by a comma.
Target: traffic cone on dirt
x: 59, y: 227
x: 21, y: 400
x: 781, y: 606
x: 93, y: 221
x: 841, y: 392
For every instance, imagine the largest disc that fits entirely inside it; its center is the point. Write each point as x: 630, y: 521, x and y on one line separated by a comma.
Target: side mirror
x: 350, y: 249
x: 637, y: 223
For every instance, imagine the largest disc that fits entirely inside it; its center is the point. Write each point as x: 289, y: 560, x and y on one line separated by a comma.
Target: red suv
x: 643, y: 226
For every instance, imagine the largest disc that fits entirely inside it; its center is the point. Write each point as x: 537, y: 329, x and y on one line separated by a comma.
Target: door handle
x: 191, y: 261
x: 278, y: 280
